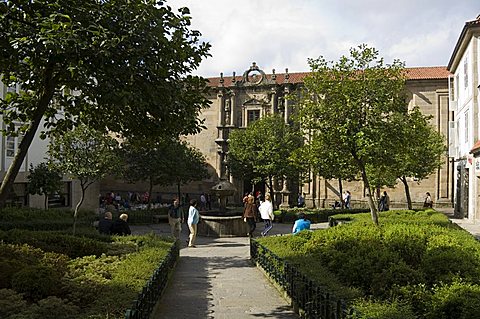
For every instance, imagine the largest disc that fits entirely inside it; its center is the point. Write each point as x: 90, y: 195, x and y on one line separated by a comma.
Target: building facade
x: 464, y: 145
x: 37, y: 153
x: 237, y: 101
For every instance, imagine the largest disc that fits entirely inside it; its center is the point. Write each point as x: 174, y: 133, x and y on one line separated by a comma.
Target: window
x: 466, y: 127
x: 457, y: 85
x: 252, y: 116
x: 10, y: 147
x: 465, y: 72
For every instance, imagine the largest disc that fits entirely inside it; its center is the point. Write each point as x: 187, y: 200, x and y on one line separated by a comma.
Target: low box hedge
x: 314, y: 215
x: 413, y: 265
x: 90, y: 286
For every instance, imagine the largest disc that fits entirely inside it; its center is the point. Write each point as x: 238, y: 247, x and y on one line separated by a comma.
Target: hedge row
x: 314, y: 215
x: 414, y: 265
x: 37, y: 283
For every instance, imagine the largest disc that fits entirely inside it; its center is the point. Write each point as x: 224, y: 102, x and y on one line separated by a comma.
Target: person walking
x: 175, y: 218
x: 193, y: 219
x: 250, y: 215
x: 266, y: 212
x: 384, y: 204
x: 347, y: 197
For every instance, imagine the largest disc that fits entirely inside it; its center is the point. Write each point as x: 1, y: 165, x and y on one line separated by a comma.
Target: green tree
x: 262, y: 151
x: 351, y: 105
x: 325, y: 161
x: 86, y: 155
x: 164, y: 162
x: 44, y: 180
x: 115, y: 65
x: 423, y: 150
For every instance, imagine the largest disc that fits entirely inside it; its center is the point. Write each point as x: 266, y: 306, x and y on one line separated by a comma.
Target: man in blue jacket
x: 301, y: 223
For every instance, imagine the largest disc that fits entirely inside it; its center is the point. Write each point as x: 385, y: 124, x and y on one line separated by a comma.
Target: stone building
x: 464, y: 143
x: 237, y: 101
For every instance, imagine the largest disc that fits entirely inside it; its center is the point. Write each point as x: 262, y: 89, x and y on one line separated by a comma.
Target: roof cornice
x: 469, y: 29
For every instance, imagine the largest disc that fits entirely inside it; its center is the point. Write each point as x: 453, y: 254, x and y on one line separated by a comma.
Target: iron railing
x: 143, y: 306
x: 311, y: 299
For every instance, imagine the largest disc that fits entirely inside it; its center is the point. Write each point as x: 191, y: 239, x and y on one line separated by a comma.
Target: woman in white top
x: 266, y: 212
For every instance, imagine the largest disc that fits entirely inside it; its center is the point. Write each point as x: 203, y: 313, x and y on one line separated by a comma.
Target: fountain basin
x: 222, y: 226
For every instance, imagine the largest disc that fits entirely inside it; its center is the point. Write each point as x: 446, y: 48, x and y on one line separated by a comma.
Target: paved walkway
x: 217, y: 280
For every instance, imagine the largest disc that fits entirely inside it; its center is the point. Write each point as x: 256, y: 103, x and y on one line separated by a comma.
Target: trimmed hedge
x: 39, y: 284
x: 37, y: 219
x: 314, y: 215
x: 414, y: 265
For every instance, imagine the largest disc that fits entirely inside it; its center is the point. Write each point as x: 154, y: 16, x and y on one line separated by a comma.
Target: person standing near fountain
x: 175, y: 218
x: 250, y: 214
x: 266, y: 211
x: 193, y: 218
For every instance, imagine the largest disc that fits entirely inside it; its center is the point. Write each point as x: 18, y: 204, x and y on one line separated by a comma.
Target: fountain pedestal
x: 222, y: 223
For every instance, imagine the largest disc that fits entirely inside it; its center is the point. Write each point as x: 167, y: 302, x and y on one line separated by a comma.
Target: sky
x: 279, y: 34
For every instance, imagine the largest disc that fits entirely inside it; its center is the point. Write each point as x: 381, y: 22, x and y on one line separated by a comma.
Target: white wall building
x: 464, y: 142
x: 37, y: 153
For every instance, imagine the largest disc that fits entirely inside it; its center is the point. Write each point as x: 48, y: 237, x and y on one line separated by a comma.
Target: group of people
x: 384, y: 202
x: 120, y: 226
x: 251, y: 210
x: 176, y: 218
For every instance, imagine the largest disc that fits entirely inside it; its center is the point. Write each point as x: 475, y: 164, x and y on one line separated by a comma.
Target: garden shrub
x: 458, y: 300
x: 382, y: 310
x: 11, y: 303
x: 72, y: 246
x: 52, y: 307
x: 403, y: 261
x: 36, y: 282
x: 37, y: 219
x: 9, y: 267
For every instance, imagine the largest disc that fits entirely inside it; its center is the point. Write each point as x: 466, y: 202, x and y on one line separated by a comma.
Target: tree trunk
x: 45, y: 204
x: 407, y: 192
x: 178, y: 193
x: 42, y: 105
x: 149, y: 202
x: 77, y: 207
x: 371, y: 203
x: 272, y: 193
x: 340, y: 188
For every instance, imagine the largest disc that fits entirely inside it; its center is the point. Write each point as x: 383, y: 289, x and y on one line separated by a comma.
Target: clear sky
x: 283, y: 34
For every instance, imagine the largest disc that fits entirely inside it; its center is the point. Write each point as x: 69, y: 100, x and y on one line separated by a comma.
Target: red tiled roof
x: 419, y: 73
x: 427, y: 73
x: 476, y: 148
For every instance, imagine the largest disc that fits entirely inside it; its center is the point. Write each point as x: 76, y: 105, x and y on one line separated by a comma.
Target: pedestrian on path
x: 266, y: 212
x: 250, y: 215
x: 175, y: 218
x: 384, y: 204
x: 193, y: 219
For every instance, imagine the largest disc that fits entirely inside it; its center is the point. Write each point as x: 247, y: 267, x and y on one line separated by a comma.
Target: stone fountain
x: 222, y: 222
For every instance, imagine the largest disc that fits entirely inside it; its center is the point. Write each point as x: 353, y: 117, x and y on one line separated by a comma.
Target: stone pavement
x: 217, y: 280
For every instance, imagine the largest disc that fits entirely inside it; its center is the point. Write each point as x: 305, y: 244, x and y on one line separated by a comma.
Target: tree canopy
x: 163, y: 162
x: 44, y: 180
x: 86, y: 155
x: 262, y: 151
x: 114, y: 65
x: 351, y: 105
